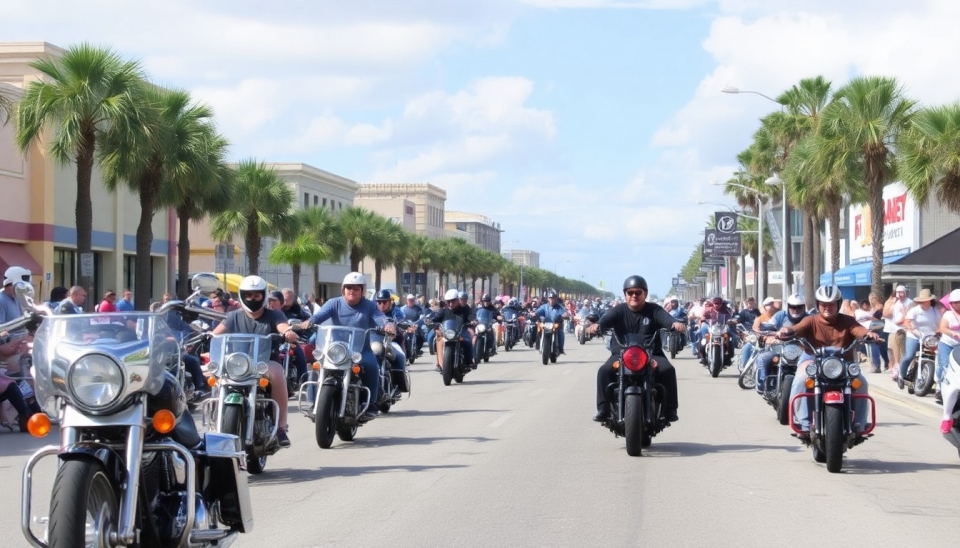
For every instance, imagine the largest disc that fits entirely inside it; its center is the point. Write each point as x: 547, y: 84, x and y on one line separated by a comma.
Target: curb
x: 882, y: 384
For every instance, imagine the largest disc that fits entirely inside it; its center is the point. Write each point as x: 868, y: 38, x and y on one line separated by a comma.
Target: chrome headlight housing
x: 450, y: 335
x: 548, y: 327
x: 832, y: 368
x: 377, y: 347
x: 96, y: 381
x: 791, y: 352
x: 237, y: 365
x: 481, y: 328
x: 853, y: 369
x: 337, y: 353
x: 930, y: 342
x: 716, y: 331
x: 752, y: 338
x: 811, y: 370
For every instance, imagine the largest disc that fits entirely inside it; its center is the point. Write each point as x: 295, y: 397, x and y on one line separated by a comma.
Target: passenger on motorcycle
x: 399, y: 364
x: 638, y: 316
x: 255, y: 318
x: 354, y: 310
x: 768, y: 311
x: 553, y: 311
x: 454, y: 309
x: 827, y: 328
x: 795, y: 312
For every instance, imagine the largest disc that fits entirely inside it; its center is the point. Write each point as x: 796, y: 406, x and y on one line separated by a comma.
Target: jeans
x: 874, y: 350
x: 802, y: 413
x: 192, y: 364
x: 763, y: 366
x: 883, y: 350
x: 560, y: 340
x: 746, y: 352
x: 299, y: 361
x: 912, y: 347
x: 398, y: 366
x: 943, y: 359
x: 370, y: 373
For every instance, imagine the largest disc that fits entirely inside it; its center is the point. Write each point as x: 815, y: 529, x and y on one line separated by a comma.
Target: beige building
x: 523, y: 257
x: 37, y: 219
x: 313, y: 188
x: 474, y: 228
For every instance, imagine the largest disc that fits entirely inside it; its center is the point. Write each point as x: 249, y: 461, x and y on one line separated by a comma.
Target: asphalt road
x: 511, y: 458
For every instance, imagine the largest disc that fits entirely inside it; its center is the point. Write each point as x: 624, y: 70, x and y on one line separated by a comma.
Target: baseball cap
x: 410, y: 296
x: 275, y: 295
x: 901, y: 288
x: 768, y: 300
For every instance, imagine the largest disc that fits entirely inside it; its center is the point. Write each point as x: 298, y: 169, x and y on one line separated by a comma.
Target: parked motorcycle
x: 635, y: 400
x: 390, y: 385
x: 921, y: 373
x: 133, y: 468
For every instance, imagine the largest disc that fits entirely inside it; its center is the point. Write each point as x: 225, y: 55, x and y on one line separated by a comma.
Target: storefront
x: 935, y: 266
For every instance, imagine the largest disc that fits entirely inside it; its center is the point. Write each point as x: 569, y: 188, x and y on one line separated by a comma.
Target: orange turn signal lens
x: 316, y: 366
x: 856, y: 384
x: 809, y: 383
x: 356, y: 369
x: 211, y: 381
x: 164, y: 421
x: 616, y: 365
x: 263, y: 382
x: 776, y: 359
x: 38, y: 425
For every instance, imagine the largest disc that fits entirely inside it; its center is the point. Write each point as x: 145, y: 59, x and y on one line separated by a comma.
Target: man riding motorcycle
x: 254, y: 318
x: 717, y: 311
x: 486, y: 303
x: 553, y: 311
x: 352, y: 309
x: 413, y: 313
x: 453, y: 309
x: 796, y: 311
x: 768, y: 311
x: 638, y: 316
x: 399, y: 364
x: 827, y: 328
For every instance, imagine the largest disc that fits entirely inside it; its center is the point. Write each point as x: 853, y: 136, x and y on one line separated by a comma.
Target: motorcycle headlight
x: 237, y: 365
x: 548, y: 327
x: 337, y: 353
x: 377, y: 347
x: 96, y: 381
x: 832, y: 368
x: 930, y: 342
x: 752, y: 338
x: 853, y: 369
x: 716, y: 331
x: 481, y: 328
x: 791, y: 352
x: 811, y: 370
x: 450, y: 335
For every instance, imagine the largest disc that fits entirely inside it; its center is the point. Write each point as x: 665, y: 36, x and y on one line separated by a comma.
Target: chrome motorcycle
x: 392, y: 383
x: 921, y: 374
x: 132, y: 467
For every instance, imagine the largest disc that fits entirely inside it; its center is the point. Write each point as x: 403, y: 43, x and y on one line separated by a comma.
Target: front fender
x: 633, y: 390
x: 111, y: 460
x: 233, y: 398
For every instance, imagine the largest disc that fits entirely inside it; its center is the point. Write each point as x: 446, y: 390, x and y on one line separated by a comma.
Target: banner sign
x: 726, y: 238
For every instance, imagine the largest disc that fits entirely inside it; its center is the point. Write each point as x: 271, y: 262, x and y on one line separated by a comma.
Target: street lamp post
x: 558, y: 263
x: 775, y: 180
x: 760, y: 277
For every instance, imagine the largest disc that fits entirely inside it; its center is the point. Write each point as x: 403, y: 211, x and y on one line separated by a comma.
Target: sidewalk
x: 883, y: 384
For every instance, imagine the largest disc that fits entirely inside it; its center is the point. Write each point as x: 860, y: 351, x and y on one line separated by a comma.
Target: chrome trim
x: 26, y: 495
x: 126, y: 532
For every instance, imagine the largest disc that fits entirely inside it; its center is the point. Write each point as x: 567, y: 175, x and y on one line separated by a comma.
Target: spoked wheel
x: 326, y: 416
x: 748, y: 378
x: 83, y: 506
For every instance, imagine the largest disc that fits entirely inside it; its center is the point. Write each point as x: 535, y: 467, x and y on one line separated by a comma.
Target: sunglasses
x: 634, y: 293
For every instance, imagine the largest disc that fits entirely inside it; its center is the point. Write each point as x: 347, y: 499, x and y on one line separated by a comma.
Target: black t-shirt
x: 646, y: 322
x: 266, y: 324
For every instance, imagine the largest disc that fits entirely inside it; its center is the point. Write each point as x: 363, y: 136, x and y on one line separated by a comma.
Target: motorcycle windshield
x: 452, y: 323
x: 353, y: 337
x: 257, y: 347
x: 509, y: 314
x: 484, y: 316
x: 133, y: 347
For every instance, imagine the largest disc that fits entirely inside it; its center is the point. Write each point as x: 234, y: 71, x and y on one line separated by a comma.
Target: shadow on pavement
x: 854, y: 466
x: 285, y: 476
x: 386, y: 441
x: 438, y: 413
x: 690, y: 449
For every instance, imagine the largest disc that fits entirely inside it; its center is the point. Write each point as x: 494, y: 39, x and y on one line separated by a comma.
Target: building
x: 524, y: 257
x: 37, y: 218
x: 474, y: 228
x: 313, y: 188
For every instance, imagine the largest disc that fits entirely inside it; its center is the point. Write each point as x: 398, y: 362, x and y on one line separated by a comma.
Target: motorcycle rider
x: 399, y: 363
x: 746, y: 352
x: 827, y: 328
x: 553, y: 311
x: 513, y: 305
x: 413, y: 313
x: 795, y: 312
x: 352, y: 309
x: 455, y: 308
x: 645, y: 318
x: 255, y: 318
x: 717, y: 311
x: 486, y: 303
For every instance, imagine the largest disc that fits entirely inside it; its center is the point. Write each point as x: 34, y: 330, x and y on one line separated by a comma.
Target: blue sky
x: 588, y: 128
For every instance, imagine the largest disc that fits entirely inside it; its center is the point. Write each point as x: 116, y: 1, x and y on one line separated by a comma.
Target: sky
x: 589, y: 129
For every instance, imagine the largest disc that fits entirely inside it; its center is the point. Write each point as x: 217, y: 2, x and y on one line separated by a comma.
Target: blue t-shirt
x: 551, y: 313
x: 124, y: 305
x: 365, y: 315
x: 781, y: 320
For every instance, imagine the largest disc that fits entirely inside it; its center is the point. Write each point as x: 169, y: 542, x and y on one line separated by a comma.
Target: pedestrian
x: 108, y: 304
x: 864, y: 315
x: 126, y: 303
x: 894, y: 314
x: 73, y: 304
x: 949, y: 334
x: 57, y: 294
x: 876, y: 308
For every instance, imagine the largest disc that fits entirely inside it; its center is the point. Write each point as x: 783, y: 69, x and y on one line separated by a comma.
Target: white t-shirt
x: 925, y: 321
x: 863, y: 317
x: 953, y: 323
x: 899, y: 311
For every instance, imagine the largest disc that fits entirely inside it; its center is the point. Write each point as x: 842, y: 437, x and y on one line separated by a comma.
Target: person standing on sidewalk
x: 126, y: 303
x: 894, y: 314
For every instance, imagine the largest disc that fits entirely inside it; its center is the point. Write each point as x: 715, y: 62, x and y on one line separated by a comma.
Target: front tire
x: 925, y: 376
x: 234, y: 423
x: 783, y: 409
x: 582, y: 336
x: 633, y: 425
x: 748, y: 378
x: 82, y: 495
x: 326, y: 417
x: 716, y: 361
x: 545, y: 349
x: 673, y: 347
x: 448, y: 366
x: 833, y: 438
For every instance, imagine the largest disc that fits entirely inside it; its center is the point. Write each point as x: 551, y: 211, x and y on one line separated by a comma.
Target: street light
x: 775, y: 180
x: 760, y: 277
x: 731, y: 89
x: 730, y: 209
x: 558, y: 264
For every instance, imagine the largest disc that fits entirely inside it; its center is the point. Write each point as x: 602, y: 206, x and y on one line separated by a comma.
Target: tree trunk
x: 809, y: 280
x: 377, y: 272
x: 252, y: 242
x: 833, y: 220
x: 356, y: 255
x: 83, y: 210
x: 316, y: 279
x: 142, y: 290
x: 756, y: 277
x: 183, y: 255
x: 766, y: 270
x: 295, y: 268
x: 873, y: 166
x: 817, y: 248
x: 788, y: 251
x: 426, y: 273
x: 743, y: 277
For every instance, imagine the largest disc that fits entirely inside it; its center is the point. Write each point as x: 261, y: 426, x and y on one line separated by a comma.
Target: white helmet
x: 828, y: 294
x: 796, y: 300
x: 354, y: 278
x: 16, y: 274
x: 251, y: 285
x: 451, y: 295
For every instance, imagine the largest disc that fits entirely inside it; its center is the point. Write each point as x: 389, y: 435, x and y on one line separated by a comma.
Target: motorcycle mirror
x: 24, y: 293
x: 205, y: 282
x: 294, y: 323
x: 876, y: 326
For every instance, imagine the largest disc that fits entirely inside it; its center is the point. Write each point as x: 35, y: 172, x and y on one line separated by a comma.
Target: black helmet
x: 552, y: 295
x: 383, y: 295
x: 635, y: 282
x: 485, y: 298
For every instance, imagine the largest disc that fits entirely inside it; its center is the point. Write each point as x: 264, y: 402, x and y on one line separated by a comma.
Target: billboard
x: 900, y: 218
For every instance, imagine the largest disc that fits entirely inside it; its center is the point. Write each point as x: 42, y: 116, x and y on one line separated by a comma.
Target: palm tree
x: 929, y: 156
x: 6, y: 107
x: 865, y: 121
x: 415, y: 257
x: 261, y: 209
x: 302, y: 249
x: 362, y: 230
x: 81, y: 95
x: 321, y: 224
x: 389, y: 248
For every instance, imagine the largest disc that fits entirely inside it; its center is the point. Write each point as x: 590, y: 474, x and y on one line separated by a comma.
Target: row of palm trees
x: 834, y: 148
x: 94, y: 108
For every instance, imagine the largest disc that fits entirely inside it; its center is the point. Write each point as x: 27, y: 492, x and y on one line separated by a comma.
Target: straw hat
x: 924, y: 296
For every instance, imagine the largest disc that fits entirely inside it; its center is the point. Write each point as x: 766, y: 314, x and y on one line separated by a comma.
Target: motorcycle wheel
x: 326, y: 417
x: 346, y: 433
x: 716, y: 361
x: 582, y: 337
x: 818, y: 455
x: 925, y: 376
x: 833, y: 438
x: 545, y: 350
x: 83, y: 505
x: 783, y: 407
x: 673, y: 349
x: 747, y: 379
x: 233, y: 423
x: 448, y: 367
x: 633, y: 425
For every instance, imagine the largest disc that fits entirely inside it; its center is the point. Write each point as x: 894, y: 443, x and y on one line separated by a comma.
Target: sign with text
x: 899, y: 226
x: 86, y: 264
x: 726, y: 238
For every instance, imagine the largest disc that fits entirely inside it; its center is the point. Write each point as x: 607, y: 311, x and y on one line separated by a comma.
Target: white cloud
x: 595, y: 4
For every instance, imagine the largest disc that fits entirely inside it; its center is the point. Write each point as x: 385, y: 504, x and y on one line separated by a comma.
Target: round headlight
x: 213, y: 367
x: 262, y: 368
x: 337, y: 353
x: 791, y: 352
x: 481, y: 328
x: 377, y: 347
x: 752, y: 338
x: 237, y: 365
x: 811, y: 370
x: 96, y: 381
x: 716, y: 331
x: 356, y: 357
x: 317, y: 354
x: 832, y: 368
x: 853, y: 369
x: 450, y: 335
x: 930, y: 342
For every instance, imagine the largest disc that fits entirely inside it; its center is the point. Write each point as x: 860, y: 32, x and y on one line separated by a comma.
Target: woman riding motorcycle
x: 796, y: 311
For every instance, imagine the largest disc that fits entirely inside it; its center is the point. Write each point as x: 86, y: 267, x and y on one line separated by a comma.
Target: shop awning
x: 938, y: 259
x: 16, y: 255
x: 854, y: 274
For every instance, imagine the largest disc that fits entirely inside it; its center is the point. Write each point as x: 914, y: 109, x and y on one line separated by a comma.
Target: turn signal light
x: 616, y: 365
x: 164, y: 421
x: 38, y: 425
x: 211, y: 381
x: 263, y: 382
x: 356, y: 369
x: 856, y: 384
x: 776, y: 359
x: 809, y: 383
x: 316, y: 366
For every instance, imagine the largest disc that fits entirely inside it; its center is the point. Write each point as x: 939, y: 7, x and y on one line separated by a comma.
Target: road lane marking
x: 500, y: 421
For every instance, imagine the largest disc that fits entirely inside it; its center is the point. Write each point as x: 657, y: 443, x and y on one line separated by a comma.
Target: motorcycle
x: 921, y: 373
x: 454, y: 364
x: 530, y: 337
x: 410, y: 342
x: 716, y: 348
x: 636, y: 399
x: 486, y: 340
x: 950, y: 390
x: 133, y: 468
x: 197, y: 318
x: 748, y: 376
x: 830, y: 386
x: 549, y: 344
x: 585, y: 318
x: 238, y: 367
x: 511, y: 326
x: 338, y: 405
x: 675, y: 340
x: 390, y: 392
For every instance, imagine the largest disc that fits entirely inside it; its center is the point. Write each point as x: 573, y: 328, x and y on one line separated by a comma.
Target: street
x: 511, y: 458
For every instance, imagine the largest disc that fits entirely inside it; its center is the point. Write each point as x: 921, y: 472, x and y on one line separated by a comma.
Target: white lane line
x: 537, y: 392
x: 500, y: 421
x: 567, y: 372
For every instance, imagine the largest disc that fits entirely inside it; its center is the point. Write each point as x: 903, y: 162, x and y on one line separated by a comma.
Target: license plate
x: 833, y: 398
x: 25, y: 389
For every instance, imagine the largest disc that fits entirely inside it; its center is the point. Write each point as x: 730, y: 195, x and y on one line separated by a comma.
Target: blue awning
x: 854, y: 274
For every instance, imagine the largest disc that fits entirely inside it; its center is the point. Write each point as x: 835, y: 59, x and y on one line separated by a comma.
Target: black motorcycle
x: 454, y: 364
x: 549, y: 340
x: 392, y: 383
x: 636, y: 400
x: 511, y: 328
x: 486, y: 344
x: 530, y: 332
